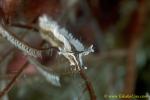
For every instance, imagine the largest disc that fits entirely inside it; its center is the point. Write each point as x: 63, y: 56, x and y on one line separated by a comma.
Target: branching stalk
x: 23, y: 46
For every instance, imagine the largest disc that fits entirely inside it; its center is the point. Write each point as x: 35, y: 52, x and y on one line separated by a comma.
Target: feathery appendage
x: 50, y: 76
x: 72, y: 48
x: 23, y: 46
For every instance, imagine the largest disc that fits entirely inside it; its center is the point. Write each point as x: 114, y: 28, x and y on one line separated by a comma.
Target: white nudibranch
x: 72, y: 48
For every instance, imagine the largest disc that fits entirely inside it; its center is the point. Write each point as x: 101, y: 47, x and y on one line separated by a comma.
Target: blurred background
x: 118, y: 29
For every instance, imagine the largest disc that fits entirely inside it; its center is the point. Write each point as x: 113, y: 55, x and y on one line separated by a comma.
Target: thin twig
x: 12, y: 82
x: 88, y: 85
x: 3, y: 70
x: 25, y: 26
x: 135, y: 28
